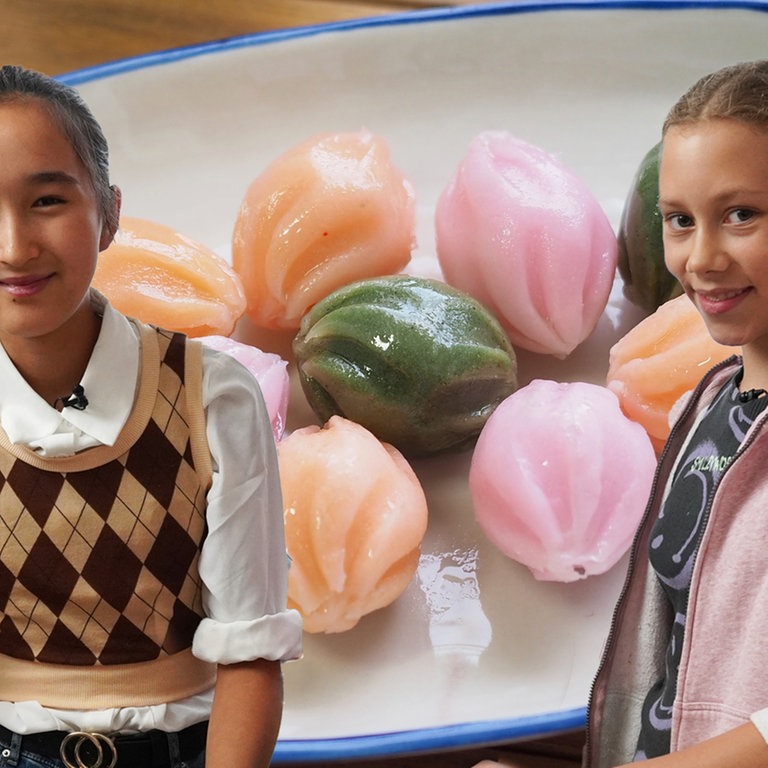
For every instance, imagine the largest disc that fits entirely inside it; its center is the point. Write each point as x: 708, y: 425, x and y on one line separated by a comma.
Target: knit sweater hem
x: 168, y: 678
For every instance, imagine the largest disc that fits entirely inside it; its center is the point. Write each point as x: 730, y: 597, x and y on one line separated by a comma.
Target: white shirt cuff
x: 277, y: 637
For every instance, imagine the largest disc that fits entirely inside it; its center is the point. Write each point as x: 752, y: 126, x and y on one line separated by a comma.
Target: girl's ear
x: 110, y: 224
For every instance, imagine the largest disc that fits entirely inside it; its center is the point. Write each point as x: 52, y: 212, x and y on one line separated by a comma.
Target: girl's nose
x: 16, y: 245
x: 707, y: 253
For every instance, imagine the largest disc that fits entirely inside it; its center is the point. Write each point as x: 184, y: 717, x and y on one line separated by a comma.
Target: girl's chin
x: 725, y: 336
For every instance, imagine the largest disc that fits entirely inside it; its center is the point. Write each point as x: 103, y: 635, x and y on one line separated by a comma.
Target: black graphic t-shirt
x: 675, y: 539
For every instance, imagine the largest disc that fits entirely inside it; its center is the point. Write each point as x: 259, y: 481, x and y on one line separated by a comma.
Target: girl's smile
x: 24, y: 286
x: 715, y: 302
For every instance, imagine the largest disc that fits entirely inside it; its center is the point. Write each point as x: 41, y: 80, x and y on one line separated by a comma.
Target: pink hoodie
x: 723, y: 676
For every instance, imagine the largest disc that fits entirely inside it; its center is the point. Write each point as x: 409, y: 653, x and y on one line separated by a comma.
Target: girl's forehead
x: 32, y: 119
x: 714, y: 157
x: 692, y: 140
x: 27, y: 108
x: 714, y: 128
x: 32, y: 141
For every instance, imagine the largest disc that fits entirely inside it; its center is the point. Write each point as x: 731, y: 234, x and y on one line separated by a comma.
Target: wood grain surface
x: 58, y: 36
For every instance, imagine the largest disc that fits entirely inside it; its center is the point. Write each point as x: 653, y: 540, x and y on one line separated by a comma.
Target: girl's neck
x: 755, y: 369
x: 53, y: 366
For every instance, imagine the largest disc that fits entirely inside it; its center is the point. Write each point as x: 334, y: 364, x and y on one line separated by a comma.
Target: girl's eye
x: 47, y: 200
x: 740, y: 215
x: 678, y: 221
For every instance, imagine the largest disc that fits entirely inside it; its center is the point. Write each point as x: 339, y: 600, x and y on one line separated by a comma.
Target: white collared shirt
x: 109, y: 381
x: 243, y: 564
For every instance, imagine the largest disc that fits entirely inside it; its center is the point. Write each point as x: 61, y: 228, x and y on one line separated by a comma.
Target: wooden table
x: 58, y: 36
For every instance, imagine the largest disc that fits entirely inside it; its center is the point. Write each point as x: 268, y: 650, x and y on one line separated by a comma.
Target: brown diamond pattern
x: 100, y: 565
x: 112, y: 569
x: 38, y: 495
x: 154, y: 464
x: 47, y: 567
x: 63, y: 644
x: 13, y: 640
x: 99, y: 486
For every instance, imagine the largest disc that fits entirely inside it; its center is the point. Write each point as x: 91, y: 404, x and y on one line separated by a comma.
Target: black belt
x: 141, y: 750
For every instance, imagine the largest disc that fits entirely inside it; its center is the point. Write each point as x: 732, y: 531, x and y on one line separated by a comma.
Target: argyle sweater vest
x: 100, y: 594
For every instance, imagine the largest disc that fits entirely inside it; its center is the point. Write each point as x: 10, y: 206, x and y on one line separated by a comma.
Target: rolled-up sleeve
x: 243, y: 562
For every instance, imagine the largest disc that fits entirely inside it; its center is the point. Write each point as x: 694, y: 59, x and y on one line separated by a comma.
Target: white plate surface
x: 475, y: 651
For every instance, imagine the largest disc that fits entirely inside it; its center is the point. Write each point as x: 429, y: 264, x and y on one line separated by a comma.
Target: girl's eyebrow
x: 48, y: 177
x: 726, y: 197
x: 666, y: 203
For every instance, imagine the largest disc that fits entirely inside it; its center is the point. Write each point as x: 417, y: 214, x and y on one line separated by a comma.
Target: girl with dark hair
x: 143, y: 574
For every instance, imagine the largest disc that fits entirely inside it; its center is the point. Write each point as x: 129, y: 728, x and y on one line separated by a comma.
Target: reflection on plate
x: 476, y: 651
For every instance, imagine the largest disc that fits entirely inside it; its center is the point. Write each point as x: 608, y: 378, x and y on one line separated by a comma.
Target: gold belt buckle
x: 71, y: 750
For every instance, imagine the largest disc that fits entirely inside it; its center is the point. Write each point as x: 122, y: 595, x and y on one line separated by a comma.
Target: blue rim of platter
x: 459, y: 735
x: 120, y: 66
x: 426, y: 740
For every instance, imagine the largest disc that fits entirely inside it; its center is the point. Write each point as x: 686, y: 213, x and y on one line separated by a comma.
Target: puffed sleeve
x: 243, y: 562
